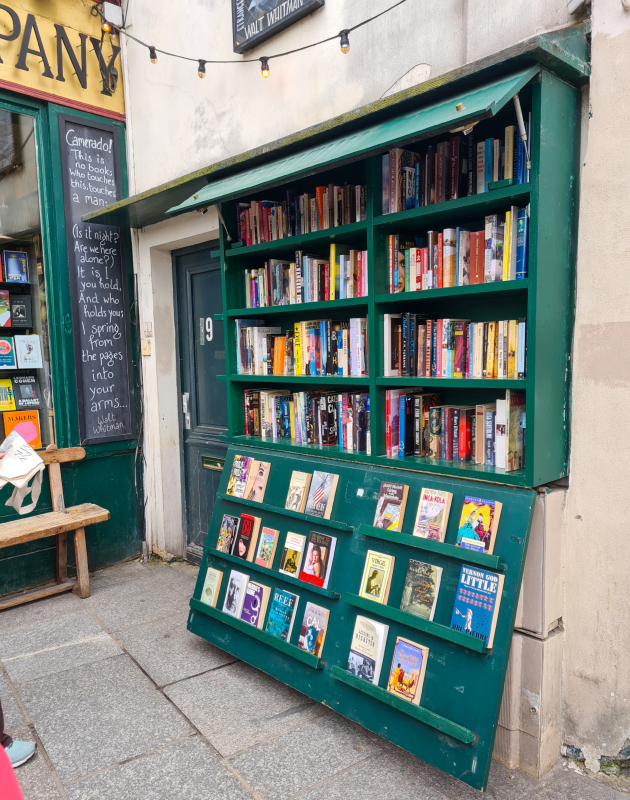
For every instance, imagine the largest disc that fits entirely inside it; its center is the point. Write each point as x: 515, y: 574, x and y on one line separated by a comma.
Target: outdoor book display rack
x: 454, y: 726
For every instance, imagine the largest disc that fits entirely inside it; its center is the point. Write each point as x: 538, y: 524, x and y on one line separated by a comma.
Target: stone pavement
x: 125, y: 704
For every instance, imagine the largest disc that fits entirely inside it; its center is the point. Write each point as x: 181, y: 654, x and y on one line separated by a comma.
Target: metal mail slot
x: 212, y: 463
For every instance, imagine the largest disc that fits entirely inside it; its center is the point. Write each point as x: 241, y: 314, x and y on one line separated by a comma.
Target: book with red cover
x: 317, y: 561
x: 465, y: 430
x: 319, y: 194
x: 447, y: 434
x: 245, y: 540
x: 477, y: 256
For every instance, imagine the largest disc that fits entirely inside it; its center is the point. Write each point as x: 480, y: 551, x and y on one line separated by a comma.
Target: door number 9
x: 205, y: 324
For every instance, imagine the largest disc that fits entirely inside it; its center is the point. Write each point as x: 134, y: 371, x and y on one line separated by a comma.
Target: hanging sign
x: 254, y: 21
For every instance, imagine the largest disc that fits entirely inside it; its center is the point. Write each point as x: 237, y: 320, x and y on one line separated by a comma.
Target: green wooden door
x: 204, y: 408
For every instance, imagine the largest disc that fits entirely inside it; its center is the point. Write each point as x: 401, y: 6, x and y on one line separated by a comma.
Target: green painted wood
x: 288, y: 445
x: 459, y: 469
x: 309, y: 380
x: 492, y: 289
x: 352, y: 234
x: 461, y: 684
x: 464, y: 383
x: 434, y: 720
x: 326, y: 307
x: 410, y: 621
x: 450, y: 550
x: 270, y: 573
x: 326, y: 523
x: 249, y: 630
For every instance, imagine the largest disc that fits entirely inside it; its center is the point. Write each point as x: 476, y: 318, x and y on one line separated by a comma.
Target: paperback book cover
x: 5, y: 308
x: 227, y: 534
x: 26, y: 392
x: 292, y: 554
x: 15, y: 263
x: 322, y: 494
x: 7, y: 399
x: 21, y: 316
x: 318, y: 559
x: 211, y: 586
x: 478, y: 524
x: 246, y: 537
x: 313, y: 630
x: 298, y: 491
x: 235, y: 594
x: 477, y: 602
x: 420, y: 592
x: 238, y: 476
x: 26, y: 423
x: 7, y: 353
x: 28, y: 352
x: 432, y: 517
x: 255, y: 604
x: 367, y: 649
x: 409, y: 665
x: 267, y: 547
x: 258, y: 475
x: 390, y: 507
x: 282, y: 614
x: 377, y: 576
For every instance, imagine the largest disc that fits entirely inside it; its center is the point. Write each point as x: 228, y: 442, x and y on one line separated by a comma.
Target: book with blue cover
x: 282, y: 614
x: 477, y: 603
x: 15, y: 263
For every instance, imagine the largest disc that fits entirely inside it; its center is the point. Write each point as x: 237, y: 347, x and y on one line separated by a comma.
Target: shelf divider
x: 472, y: 290
x: 271, y: 573
x: 298, y: 308
x: 424, y: 715
x: 328, y: 523
x: 284, y: 647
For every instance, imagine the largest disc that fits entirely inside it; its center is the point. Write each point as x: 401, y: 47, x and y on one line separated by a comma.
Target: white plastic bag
x: 19, y: 465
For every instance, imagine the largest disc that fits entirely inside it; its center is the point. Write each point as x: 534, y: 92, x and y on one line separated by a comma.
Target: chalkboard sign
x: 253, y: 21
x: 100, y: 310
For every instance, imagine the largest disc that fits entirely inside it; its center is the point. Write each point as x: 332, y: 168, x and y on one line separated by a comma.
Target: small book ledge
x: 328, y: 523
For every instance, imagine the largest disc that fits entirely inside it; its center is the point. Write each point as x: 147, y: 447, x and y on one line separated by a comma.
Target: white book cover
x: 235, y: 594
x: 500, y: 423
x: 367, y: 649
x: 28, y: 352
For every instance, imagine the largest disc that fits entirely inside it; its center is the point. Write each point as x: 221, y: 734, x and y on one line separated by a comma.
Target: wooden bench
x: 59, y: 522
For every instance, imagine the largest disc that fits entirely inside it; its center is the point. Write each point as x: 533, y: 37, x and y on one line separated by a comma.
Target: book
x: 15, y: 266
x: 500, y: 426
x: 257, y: 477
x: 227, y: 533
x: 390, y: 507
x: 477, y: 603
x: 478, y: 524
x: 244, y: 545
x: 28, y: 351
x: 7, y: 353
x: 409, y: 664
x: 26, y: 423
x: 21, y: 315
x: 5, y: 309
x: 515, y: 429
x: 255, y: 604
x: 266, y: 548
x: 282, y: 614
x: 377, y: 577
x: 432, y: 517
x: 313, y: 630
x: 235, y: 594
x: 298, y: 491
x: 320, y: 551
x: 420, y: 592
x: 211, y: 586
x: 322, y: 494
x: 26, y: 392
x: 7, y: 398
x: 292, y: 554
x: 367, y: 649
x: 238, y: 476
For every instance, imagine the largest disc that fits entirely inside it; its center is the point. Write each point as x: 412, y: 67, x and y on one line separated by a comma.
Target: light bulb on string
x: 153, y: 55
x: 202, y: 68
x: 344, y: 41
x: 264, y: 67
x: 106, y: 26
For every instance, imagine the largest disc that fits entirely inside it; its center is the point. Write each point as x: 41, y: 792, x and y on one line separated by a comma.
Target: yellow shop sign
x: 55, y: 50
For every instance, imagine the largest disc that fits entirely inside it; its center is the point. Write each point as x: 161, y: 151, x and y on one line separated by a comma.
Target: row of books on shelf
x: 418, y: 424
x: 333, y: 419
x: 453, y: 348
x: 456, y: 167
x: 308, y: 279
x: 459, y: 257
x: 15, y: 310
x: 315, y: 347
x: 329, y: 207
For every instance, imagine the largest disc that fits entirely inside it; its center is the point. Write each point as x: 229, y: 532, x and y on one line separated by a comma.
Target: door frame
x: 212, y: 246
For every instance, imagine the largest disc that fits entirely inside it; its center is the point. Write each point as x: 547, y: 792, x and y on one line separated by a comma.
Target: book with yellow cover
x: 7, y: 398
x: 409, y: 665
x: 377, y: 577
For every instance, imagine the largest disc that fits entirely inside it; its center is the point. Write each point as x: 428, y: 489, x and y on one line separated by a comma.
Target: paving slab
x: 180, y: 580
x: 386, y: 776
x: 119, y: 573
x: 503, y: 784
x: 168, y: 652
x: 291, y: 763
x: 48, y: 646
x: 48, y: 608
x: 10, y: 708
x: 98, y: 715
x: 134, y: 602
x: 562, y: 783
x: 187, y: 770
x: 36, y: 778
x: 237, y: 706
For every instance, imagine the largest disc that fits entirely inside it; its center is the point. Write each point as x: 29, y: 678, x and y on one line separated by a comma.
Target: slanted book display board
x: 454, y: 725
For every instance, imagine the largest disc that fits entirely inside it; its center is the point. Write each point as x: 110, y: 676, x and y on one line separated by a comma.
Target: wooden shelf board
x: 442, y: 548
x: 289, y: 446
x: 348, y: 234
x: 418, y: 623
x: 271, y: 573
x: 457, y: 469
x: 493, y: 289
x: 312, y: 380
x: 284, y: 647
x: 328, y: 523
x: 424, y: 715
x: 468, y: 383
x: 299, y: 308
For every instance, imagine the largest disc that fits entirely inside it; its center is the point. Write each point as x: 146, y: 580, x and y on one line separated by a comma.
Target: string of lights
x: 343, y: 36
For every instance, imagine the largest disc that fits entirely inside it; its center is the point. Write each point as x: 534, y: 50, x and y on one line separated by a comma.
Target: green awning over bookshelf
x: 483, y: 102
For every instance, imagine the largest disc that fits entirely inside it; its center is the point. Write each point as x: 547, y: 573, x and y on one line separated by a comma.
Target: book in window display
x: 26, y: 392
x: 367, y: 649
x: 21, y: 315
x: 15, y: 266
x: 28, y: 351
x: 7, y: 397
x: 7, y: 353
x: 313, y: 630
x: 5, y: 309
x: 409, y: 665
x: 26, y: 423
